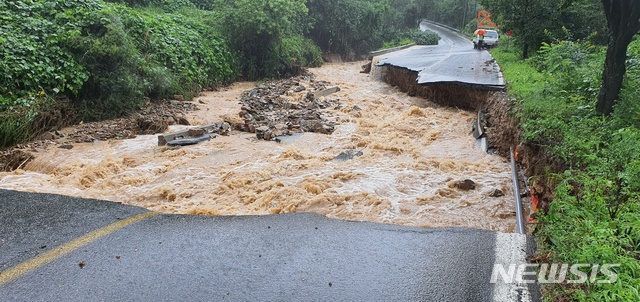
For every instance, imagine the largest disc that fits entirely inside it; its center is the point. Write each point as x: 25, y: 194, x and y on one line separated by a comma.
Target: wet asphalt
x: 289, y: 257
x: 453, y: 60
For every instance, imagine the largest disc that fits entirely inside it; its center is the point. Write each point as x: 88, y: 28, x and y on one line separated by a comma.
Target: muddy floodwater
x: 413, y: 153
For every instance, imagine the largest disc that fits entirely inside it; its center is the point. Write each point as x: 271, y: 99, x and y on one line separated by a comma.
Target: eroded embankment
x: 502, y: 130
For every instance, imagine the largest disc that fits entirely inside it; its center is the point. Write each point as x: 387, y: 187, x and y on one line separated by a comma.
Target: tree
x: 623, y: 19
x: 528, y: 19
x: 256, y: 27
x: 348, y: 27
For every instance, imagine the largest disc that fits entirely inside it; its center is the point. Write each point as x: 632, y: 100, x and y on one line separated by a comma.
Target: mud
x: 412, y: 154
x: 156, y: 117
x: 451, y: 95
x: 503, y: 133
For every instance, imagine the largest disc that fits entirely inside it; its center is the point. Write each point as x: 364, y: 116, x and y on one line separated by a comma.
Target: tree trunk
x: 623, y: 20
x: 613, y: 74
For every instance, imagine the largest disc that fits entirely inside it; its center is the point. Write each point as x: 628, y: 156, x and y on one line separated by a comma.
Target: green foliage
x: 593, y: 217
x: 350, y: 28
x: 413, y: 37
x: 166, y: 5
x: 397, y: 42
x: 106, y: 58
x: 32, y: 39
x: 627, y: 109
x: 426, y: 37
x: 534, y: 22
x: 256, y: 30
x: 297, y: 51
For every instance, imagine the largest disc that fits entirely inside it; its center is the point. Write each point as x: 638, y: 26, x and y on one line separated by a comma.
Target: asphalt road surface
x: 453, y: 60
x: 58, y: 248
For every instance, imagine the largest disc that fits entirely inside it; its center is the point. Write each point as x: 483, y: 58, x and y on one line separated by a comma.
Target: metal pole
x: 516, y: 192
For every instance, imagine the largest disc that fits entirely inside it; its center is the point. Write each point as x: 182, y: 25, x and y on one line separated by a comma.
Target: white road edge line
x: 510, y: 249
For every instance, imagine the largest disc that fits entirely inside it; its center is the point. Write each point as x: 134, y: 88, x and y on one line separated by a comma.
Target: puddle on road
x: 411, y: 157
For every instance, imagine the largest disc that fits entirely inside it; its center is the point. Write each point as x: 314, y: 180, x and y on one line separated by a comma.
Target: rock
x: 466, y: 185
x: 189, y: 141
x: 66, y: 146
x: 496, y: 193
x: 267, y: 135
x: 196, y: 131
x: 178, y: 97
x: 47, y: 136
x: 311, y: 126
x: 183, y: 121
x: 506, y: 215
x: 347, y: 155
x: 150, y: 126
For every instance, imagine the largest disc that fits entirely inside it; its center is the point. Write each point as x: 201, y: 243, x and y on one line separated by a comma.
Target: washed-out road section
x: 453, y: 60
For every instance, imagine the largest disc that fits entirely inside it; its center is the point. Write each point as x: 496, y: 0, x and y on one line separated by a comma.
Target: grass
x: 593, y: 217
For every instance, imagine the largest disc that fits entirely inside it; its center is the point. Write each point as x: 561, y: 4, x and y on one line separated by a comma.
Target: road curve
x: 58, y: 248
x: 453, y: 60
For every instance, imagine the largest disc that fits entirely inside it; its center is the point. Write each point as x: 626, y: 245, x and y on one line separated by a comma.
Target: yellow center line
x: 34, y: 263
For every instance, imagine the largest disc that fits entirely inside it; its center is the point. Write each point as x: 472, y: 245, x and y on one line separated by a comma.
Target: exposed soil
x: 450, y: 95
x: 502, y: 129
x: 154, y: 118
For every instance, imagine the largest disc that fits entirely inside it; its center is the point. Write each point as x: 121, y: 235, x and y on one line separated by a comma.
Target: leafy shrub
x: 167, y: 5
x: 426, y: 37
x: 256, y: 29
x: 627, y: 110
x: 350, y: 28
x: 397, y: 43
x: 106, y: 57
x: 32, y: 48
x: 412, y: 36
x: 293, y: 53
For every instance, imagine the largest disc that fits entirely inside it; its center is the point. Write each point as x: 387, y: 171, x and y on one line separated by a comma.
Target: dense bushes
x: 104, y: 57
x: 349, y: 28
x: 593, y: 217
x: 415, y: 36
x: 259, y: 30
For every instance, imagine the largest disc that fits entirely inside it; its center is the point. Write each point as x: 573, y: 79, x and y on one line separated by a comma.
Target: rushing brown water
x: 413, y: 153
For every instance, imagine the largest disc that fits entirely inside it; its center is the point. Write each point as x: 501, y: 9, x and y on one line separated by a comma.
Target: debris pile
x: 194, y: 135
x: 150, y: 120
x: 288, y: 106
x: 154, y: 118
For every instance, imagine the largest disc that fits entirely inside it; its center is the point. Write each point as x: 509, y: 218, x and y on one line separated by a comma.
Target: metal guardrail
x: 516, y: 192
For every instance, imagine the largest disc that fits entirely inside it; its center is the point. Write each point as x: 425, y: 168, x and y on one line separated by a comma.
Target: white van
x: 490, y: 39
